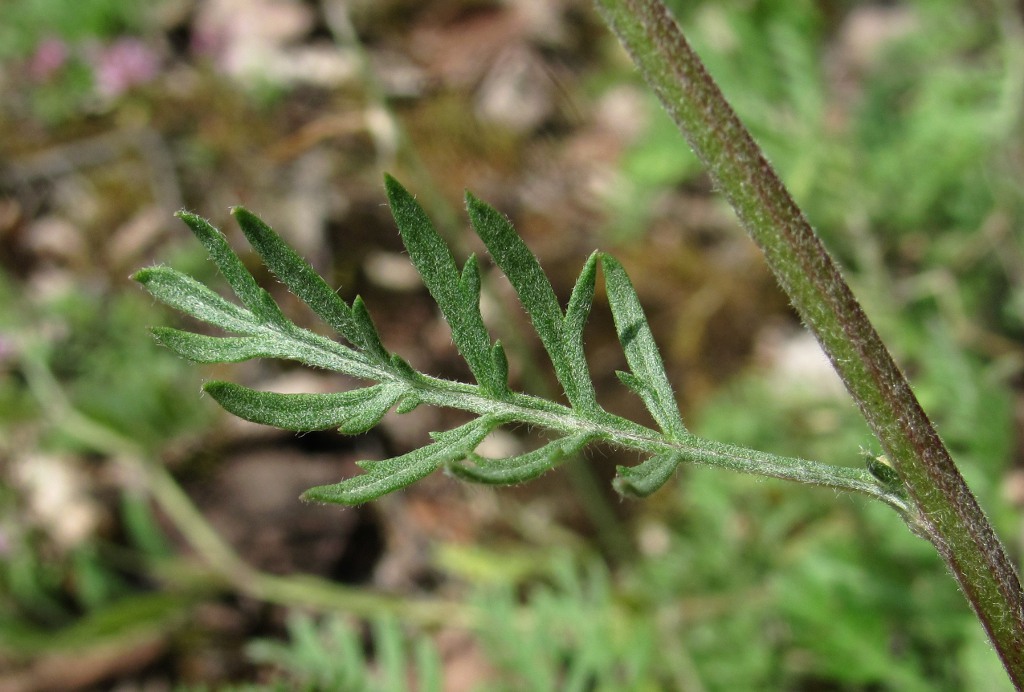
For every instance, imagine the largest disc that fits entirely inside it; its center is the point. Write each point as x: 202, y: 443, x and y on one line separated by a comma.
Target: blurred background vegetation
x: 149, y: 541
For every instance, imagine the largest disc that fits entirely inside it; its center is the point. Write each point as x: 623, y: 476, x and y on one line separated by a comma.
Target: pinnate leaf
x: 263, y: 332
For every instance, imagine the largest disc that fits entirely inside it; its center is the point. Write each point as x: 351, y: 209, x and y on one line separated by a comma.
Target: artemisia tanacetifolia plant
x: 265, y: 332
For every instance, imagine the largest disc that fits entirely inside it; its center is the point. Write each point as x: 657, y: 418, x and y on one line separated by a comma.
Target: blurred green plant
x: 879, y: 585
x: 944, y: 88
x: 570, y: 632
x: 566, y: 622
x: 86, y: 567
x: 942, y: 85
x: 332, y: 655
x: 947, y: 80
x: 67, y: 583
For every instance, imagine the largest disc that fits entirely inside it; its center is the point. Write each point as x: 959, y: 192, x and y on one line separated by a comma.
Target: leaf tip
x: 217, y: 387
x: 608, y: 263
x: 392, y: 186
x: 645, y: 478
x: 187, y: 216
x: 143, y: 275
x: 200, y: 227
x: 473, y: 202
x: 242, y: 214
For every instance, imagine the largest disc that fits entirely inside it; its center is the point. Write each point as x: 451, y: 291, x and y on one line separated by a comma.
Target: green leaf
x: 212, y: 349
x: 300, y: 277
x: 258, y: 301
x: 408, y: 403
x: 521, y: 468
x: 184, y: 293
x: 521, y: 267
x: 388, y: 475
x: 402, y: 367
x: 364, y: 326
x: 649, y: 378
x: 456, y: 293
x: 261, y: 331
x: 287, y: 341
x: 558, y: 335
x: 351, y: 412
x: 643, y: 479
x: 320, y: 352
x: 469, y: 281
x: 500, y: 361
x: 304, y: 347
x: 576, y: 315
x: 390, y: 654
x: 646, y: 393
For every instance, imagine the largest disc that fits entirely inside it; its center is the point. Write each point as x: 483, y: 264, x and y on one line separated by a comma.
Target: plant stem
x: 624, y: 433
x: 944, y: 507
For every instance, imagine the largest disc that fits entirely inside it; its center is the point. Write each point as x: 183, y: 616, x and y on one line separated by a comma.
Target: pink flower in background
x: 51, y: 55
x: 123, y: 64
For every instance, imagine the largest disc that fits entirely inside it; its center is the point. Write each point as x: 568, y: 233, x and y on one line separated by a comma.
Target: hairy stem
x: 626, y: 434
x: 944, y: 508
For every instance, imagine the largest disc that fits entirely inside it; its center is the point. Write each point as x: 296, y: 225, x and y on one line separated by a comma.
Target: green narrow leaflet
x: 259, y: 329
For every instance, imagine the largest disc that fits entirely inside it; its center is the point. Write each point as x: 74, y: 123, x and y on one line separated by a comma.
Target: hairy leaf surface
x: 456, y: 293
x: 260, y: 330
x: 299, y: 276
x: 649, y: 379
x: 561, y: 335
x: 257, y: 300
x: 351, y: 412
x: 521, y: 468
x: 644, y: 478
x: 382, y: 477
